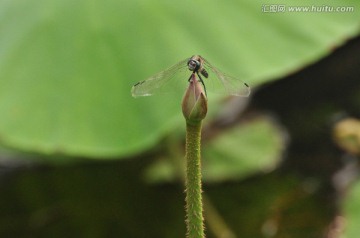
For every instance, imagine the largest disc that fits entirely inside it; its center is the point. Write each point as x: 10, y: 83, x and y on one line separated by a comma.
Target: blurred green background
x: 81, y: 158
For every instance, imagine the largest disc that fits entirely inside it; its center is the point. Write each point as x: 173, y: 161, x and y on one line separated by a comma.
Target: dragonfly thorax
x: 195, y: 64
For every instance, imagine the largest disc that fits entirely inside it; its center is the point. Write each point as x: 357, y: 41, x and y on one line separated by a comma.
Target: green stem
x: 194, y: 210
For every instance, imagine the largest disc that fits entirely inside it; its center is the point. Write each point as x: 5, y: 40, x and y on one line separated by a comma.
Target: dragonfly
x: 198, y: 65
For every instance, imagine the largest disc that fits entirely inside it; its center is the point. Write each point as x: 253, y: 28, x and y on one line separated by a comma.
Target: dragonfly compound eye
x: 193, y: 65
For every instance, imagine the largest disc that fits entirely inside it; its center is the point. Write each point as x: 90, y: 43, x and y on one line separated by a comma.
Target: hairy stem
x: 194, y: 209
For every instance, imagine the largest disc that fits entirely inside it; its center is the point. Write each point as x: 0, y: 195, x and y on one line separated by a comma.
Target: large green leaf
x: 66, y: 67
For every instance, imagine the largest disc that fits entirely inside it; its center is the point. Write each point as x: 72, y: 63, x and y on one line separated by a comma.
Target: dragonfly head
x: 193, y: 65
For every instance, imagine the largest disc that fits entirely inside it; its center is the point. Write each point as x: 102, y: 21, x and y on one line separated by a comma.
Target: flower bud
x: 194, y: 103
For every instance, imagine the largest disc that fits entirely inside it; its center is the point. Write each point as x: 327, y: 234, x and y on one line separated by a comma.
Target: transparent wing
x: 229, y: 84
x: 149, y: 86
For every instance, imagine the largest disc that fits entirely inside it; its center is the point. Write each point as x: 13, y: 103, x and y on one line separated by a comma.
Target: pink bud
x: 194, y: 103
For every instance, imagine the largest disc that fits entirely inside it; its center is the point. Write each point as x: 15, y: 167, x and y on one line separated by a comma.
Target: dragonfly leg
x: 202, y: 82
x: 191, y: 76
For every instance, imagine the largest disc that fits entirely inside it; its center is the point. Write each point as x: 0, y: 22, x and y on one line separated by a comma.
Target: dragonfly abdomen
x: 204, y: 73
